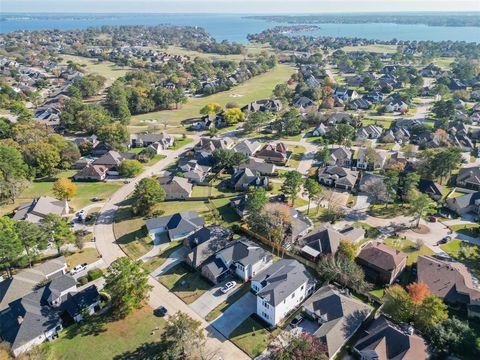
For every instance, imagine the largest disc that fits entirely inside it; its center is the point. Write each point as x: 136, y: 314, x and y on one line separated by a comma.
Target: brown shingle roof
x: 382, y: 256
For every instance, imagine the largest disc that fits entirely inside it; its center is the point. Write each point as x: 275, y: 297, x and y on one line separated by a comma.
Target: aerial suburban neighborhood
x: 168, y: 194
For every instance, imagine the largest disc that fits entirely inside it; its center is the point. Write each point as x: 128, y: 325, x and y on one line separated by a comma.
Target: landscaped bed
x: 184, y: 282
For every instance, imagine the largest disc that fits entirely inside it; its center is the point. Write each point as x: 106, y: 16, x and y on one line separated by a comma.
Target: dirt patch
x: 421, y: 229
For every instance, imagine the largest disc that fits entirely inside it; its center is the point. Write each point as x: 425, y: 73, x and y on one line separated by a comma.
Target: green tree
x: 32, y: 237
x: 323, y: 155
x: 256, y: 200
x: 127, y: 284
x: 10, y: 244
x: 342, y: 134
x: 292, y: 185
x: 42, y: 157
x: 148, y: 192
x: 211, y: 109
x: 313, y: 189
x: 5, y: 128
x: 452, y: 337
x: 57, y: 230
x: 347, y: 249
x: 344, y: 271
x: 117, y: 104
x: 228, y: 159
x: 232, y: 116
x: 289, y: 124
x: 256, y: 120
x: 391, y: 181
x: 13, y: 173
x: 421, y: 206
x: 130, y: 168
x: 115, y: 135
x: 410, y: 185
x: 397, y: 303
x: 444, y: 109
x: 430, y: 313
x: 182, y: 338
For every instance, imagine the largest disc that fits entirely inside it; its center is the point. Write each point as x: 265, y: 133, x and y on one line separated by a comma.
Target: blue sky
x: 237, y: 6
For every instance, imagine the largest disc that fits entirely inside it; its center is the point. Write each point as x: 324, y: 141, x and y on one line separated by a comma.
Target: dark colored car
x: 161, y: 311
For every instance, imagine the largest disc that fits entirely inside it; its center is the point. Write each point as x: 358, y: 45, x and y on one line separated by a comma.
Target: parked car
x: 296, y: 320
x: 444, y: 240
x: 81, y: 215
x: 228, y: 286
x: 161, y: 311
x: 78, y: 268
x: 432, y: 219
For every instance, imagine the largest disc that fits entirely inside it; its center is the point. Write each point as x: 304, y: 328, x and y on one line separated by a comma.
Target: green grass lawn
x: 296, y: 156
x: 253, y: 337
x: 370, y: 231
x: 220, y: 309
x: 87, y: 255
x: 252, y: 50
x: 102, y: 339
x: 184, y: 282
x: 387, y: 211
x: 181, y: 141
x: 377, y: 48
x: 465, y: 253
x: 256, y: 88
x: 173, y: 207
x: 472, y: 230
x: 130, y: 233
x: 105, y: 68
x: 85, y: 190
x: 385, y: 123
x: 157, y: 261
x: 378, y: 293
x: 410, y: 248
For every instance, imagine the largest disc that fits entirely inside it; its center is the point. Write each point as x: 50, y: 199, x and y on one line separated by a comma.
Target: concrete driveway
x: 236, y: 314
x: 211, y: 299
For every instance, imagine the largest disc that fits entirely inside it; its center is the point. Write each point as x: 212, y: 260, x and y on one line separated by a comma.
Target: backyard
x: 103, y: 339
x: 184, y: 282
x: 466, y: 253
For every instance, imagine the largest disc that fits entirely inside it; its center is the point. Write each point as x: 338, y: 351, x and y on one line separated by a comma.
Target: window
x: 265, y: 304
x: 293, y: 295
x: 302, y: 287
x: 265, y: 315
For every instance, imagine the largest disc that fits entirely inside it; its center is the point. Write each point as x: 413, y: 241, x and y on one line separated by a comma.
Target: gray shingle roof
x: 178, y: 223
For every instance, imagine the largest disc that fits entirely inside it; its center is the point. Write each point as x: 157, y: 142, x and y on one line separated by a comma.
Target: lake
x: 236, y: 27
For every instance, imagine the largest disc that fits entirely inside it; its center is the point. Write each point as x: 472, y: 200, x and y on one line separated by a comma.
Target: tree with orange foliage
x: 418, y: 292
x: 64, y: 189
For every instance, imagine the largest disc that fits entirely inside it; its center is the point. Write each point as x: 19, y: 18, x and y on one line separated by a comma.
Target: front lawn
x: 86, y: 191
x: 87, y: 255
x: 472, y: 230
x: 296, y: 156
x: 155, y: 262
x: 464, y: 252
x: 387, y: 211
x: 410, y: 248
x: 173, y: 207
x: 180, y: 142
x: 370, y: 231
x: 184, y: 282
x: 102, y: 339
x: 253, y: 337
x: 130, y: 233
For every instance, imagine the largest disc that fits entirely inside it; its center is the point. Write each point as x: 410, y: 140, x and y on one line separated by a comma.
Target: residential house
x: 107, y: 165
x: 431, y: 188
x: 144, y: 140
x: 469, y: 178
x: 280, y: 289
x: 247, y: 147
x: 193, y: 171
x: 381, y: 263
x: 242, y: 258
x: 397, y: 134
x: 369, y: 132
x: 320, y: 130
x: 259, y: 166
x: 273, y: 153
x: 396, y: 105
x: 334, y: 317
x: 304, y: 104
x: 239, y: 204
x: 48, y: 115
x: 205, y: 243
x: 396, y: 160
x: 209, y: 145
x: 339, y: 177
x: 242, y: 179
x: 263, y: 105
x: 340, y: 157
x: 41, y: 314
x: 383, y: 340
x: 451, y: 281
x: 364, y: 162
x: 176, y: 227
x: 360, y: 104
x: 339, y: 118
x: 38, y: 209
x: 374, y: 97
x: 322, y: 241
x: 346, y: 94
x: 464, y: 204
x: 176, y: 188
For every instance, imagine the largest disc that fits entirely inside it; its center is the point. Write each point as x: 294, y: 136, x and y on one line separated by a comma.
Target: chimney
x: 20, y: 320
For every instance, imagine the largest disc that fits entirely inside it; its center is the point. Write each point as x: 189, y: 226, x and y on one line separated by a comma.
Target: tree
x: 377, y: 189
x: 147, y: 193
x: 348, y: 249
x: 13, y: 173
x: 452, y: 336
x: 278, y: 224
x: 227, y: 158
x: 444, y: 109
x: 211, y: 109
x: 313, y: 189
x: 256, y: 120
x: 57, y: 230
x: 410, y: 184
x: 323, y: 155
x: 342, y: 134
x: 344, y: 271
x: 300, y: 347
x: 256, y: 200
x: 421, y: 206
x: 130, y: 168
x: 232, y: 116
x: 292, y: 184
x: 127, y: 284
x: 67, y: 150
x: 10, y: 244
x: 115, y: 135
x: 182, y: 338
x: 418, y: 292
x: 64, y: 189
x: 430, y: 312
x: 391, y: 184
x: 289, y: 124
x: 32, y: 237
x: 397, y: 303
x: 42, y: 157
x: 117, y: 104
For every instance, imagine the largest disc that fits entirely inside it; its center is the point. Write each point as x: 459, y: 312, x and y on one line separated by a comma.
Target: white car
x: 78, y: 268
x: 228, y: 286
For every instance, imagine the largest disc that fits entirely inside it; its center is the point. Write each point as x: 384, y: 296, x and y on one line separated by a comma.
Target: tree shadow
x: 147, y: 351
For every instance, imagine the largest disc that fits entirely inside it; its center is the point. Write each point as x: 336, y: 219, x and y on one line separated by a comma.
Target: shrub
x: 83, y: 280
x: 94, y: 274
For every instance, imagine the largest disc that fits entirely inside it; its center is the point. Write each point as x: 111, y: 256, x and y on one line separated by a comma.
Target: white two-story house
x: 281, y: 289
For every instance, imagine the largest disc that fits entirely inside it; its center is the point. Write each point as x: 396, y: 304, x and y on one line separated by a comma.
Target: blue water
x: 237, y: 27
